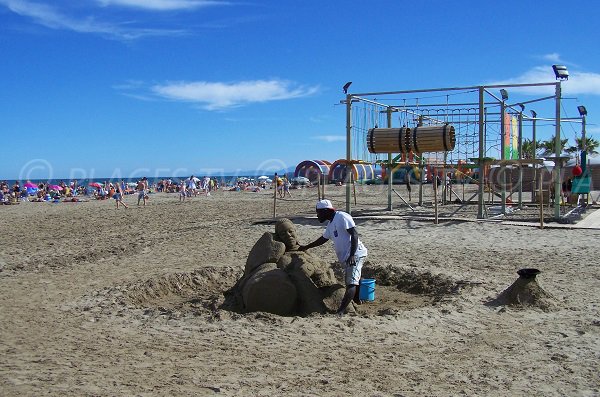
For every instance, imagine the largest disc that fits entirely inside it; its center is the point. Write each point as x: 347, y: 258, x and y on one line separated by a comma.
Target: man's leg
x: 356, y: 298
x: 348, y: 296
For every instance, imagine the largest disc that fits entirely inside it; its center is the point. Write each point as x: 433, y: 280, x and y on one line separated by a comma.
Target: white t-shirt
x: 337, y: 231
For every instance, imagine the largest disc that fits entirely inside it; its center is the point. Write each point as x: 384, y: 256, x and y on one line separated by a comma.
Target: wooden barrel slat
x: 387, y: 140
x: 432, y: 139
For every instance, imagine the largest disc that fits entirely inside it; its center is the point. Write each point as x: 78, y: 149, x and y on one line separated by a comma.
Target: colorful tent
x: 399, y: 172
x: 311, y: 169
x: 361, y: 171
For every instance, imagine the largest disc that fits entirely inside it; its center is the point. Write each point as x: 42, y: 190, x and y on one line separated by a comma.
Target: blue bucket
x: 367, y: 289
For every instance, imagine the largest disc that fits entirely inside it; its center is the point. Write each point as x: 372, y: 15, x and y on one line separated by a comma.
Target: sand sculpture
x: 281, y: 280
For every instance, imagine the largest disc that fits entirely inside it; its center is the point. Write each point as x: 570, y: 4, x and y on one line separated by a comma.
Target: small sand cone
x: 525, y: 291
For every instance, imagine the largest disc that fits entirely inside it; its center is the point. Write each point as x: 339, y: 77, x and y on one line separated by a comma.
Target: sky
x: 124, y: 88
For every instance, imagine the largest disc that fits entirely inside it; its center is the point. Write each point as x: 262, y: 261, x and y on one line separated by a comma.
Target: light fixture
x: 504, y: 94
x: 533, y: 114
x: 582, y: 110
x: 521, y: 106
x: 561, y: 72
x: 346, y: 86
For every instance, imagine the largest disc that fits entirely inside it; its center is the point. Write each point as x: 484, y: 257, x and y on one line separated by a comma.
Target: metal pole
x: 435, y: 197
x: 541, y: 205
x: 557, y: 152
x: 520, y: 150
x: 319, y: 186
x: 533, y: 186
x: 480, y: 198
x: 275, y: 198
x: 502, y: 150
x: 389, y: 164
x: 583, y: 146
x: 348, y: 149
x: 421, y: 168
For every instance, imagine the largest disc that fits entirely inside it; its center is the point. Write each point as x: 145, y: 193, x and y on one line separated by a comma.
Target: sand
x: 96, y: 301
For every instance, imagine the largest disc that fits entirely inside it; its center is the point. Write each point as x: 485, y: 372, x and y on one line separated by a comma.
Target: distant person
x: 349, y: 249
x: 142, y: 190
x: 16, y: 188
x: 279, y: 184
x: 182, y: 190
x: 206, y: 185
x: 118, y: 195
x: 191, y: 186
x: 286, y: 187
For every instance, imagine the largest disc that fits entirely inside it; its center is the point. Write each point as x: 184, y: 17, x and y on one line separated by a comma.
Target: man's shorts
x: 141, y: 194
x: 352, y: 273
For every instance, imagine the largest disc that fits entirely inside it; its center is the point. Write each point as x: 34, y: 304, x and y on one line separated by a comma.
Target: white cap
x: 324, y: 204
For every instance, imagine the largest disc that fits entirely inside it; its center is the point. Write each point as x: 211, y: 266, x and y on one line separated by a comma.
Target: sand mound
x: 413, y: 281
x: 525, y: 292
x: 207, y: 292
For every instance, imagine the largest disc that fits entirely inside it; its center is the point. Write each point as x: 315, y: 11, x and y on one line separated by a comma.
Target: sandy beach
x: 96, y: 301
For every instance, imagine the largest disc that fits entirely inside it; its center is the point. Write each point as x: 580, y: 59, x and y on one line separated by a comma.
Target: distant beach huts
x: 313, y: 169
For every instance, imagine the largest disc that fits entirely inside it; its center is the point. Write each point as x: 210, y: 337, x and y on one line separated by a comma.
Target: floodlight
x: 533, y: 114
x: 521, y: 106
x: 561, y: 72
x: 582, y: 110
x: 504, y: 94
x: 346, y: 86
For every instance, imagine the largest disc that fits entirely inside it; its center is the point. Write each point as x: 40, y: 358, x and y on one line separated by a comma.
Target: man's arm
x: 320, y: 241
x: 353, y: 245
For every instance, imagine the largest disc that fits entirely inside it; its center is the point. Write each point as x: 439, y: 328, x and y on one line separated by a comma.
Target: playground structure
x: 465, y: 134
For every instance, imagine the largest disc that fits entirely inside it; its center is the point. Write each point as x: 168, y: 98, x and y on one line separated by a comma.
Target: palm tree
x: 591, y: 145
x: 548, y: 146
x: 527, y: 151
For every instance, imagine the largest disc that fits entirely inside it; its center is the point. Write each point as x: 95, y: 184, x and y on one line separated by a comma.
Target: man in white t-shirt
x: 349, y: 249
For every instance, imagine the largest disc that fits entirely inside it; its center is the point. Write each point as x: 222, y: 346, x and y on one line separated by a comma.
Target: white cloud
x: 330, y: 138
x: 554, y: 57
x: 219, y: 96
x: 579, y: 83
x: 162, y: 5
x: 52, y: 18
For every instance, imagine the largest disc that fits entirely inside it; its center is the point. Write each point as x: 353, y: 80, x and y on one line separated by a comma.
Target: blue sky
x: 98, y: 88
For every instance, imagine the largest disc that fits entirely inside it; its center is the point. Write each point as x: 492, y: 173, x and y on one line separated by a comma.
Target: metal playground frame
x: 487, y: 127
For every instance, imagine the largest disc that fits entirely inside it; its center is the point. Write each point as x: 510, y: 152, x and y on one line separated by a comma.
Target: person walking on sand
x: 118, y: 195
x: 182, y: 190
x: 286, y: 187
x: 142, y: 189
x: 349, y: 249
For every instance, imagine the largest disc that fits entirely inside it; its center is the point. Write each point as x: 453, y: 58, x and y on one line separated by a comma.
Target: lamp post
x: 504, y: 95
x: 583, y: 112
x: 520, y: 153
x: 561, y: 73
x: 533, y: 155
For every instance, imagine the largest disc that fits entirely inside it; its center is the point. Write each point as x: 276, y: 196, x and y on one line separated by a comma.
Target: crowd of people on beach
x: 186, y: 188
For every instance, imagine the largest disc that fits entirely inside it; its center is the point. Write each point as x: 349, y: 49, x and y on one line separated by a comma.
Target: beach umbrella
x: 262, y: 177
x: 55, y: 187
x: 132, y: 184
x: 30, y: 185
x: 95, y: 184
